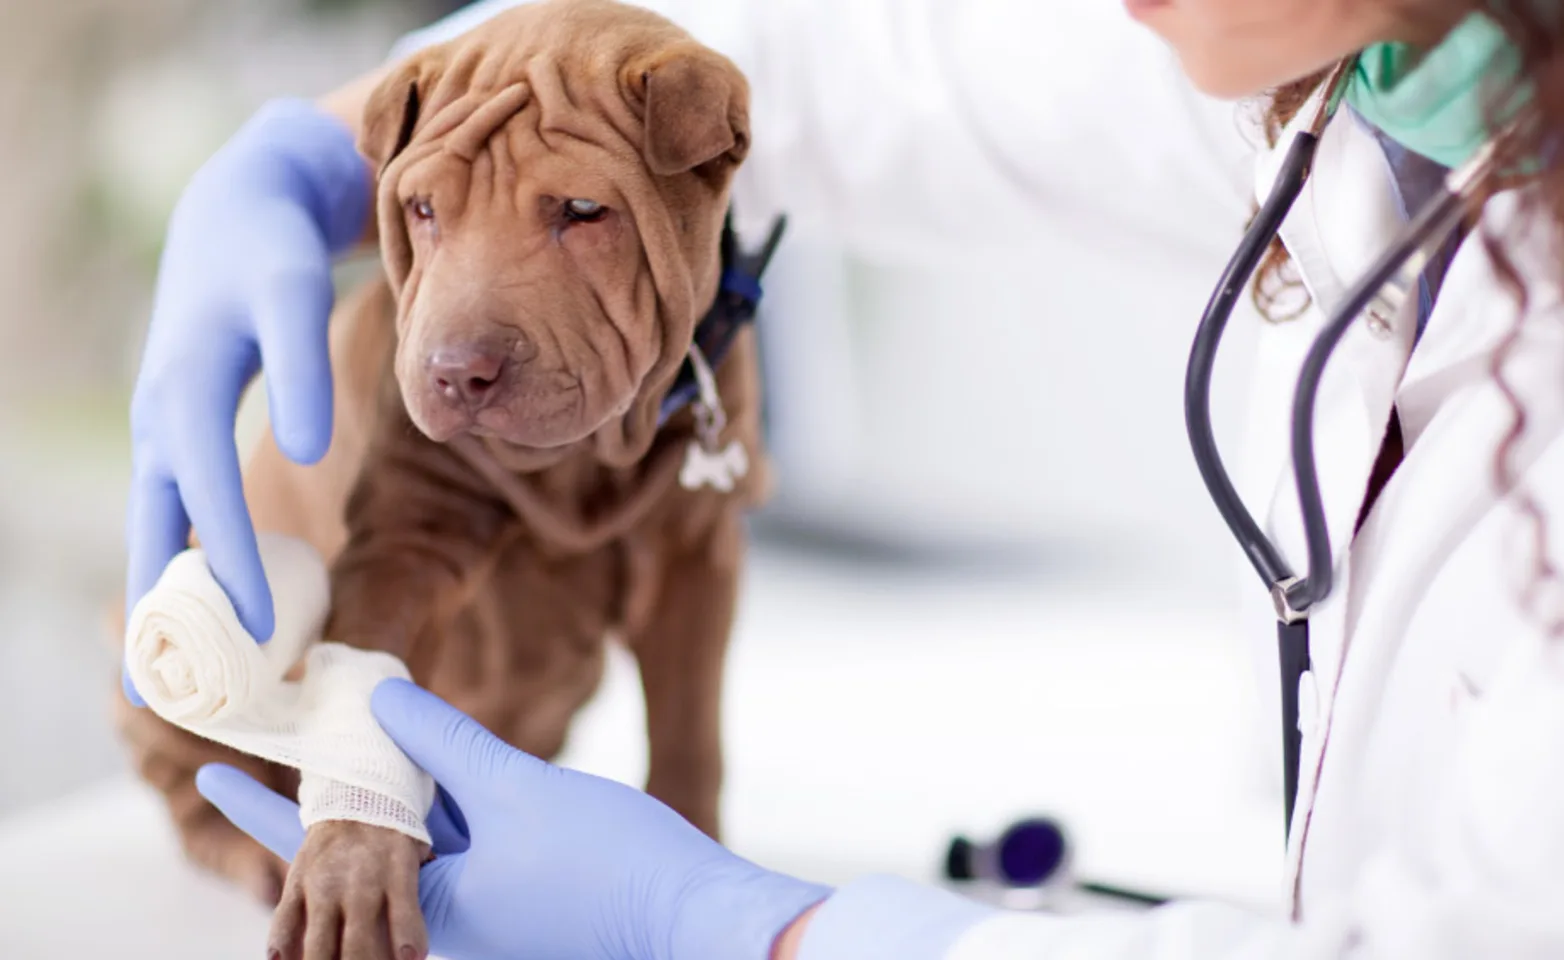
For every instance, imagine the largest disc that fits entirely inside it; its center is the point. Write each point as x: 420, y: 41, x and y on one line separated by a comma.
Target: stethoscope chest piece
x: 1028, y: 854
x: 1029, y: 867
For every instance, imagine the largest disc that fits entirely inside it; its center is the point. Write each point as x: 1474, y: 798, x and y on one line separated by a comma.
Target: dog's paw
x: 351, y: 894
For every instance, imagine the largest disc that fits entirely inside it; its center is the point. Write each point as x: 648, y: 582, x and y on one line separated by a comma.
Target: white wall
x: 1036, y: 401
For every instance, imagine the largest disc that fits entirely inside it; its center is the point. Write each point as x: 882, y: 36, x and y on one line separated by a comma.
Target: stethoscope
x: 1032, y: 858
x: 1378, y: 295
x: 1029, y: 866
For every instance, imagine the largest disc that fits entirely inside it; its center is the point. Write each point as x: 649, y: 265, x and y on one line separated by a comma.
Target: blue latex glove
x: 533, y: 860
x: 244, y: 285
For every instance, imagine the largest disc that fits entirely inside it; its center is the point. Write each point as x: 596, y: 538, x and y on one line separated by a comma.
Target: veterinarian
x: 1428, y: 745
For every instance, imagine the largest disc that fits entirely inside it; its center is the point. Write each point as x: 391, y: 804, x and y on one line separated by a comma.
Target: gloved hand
x: 538, y: 861
x: 244, y: 284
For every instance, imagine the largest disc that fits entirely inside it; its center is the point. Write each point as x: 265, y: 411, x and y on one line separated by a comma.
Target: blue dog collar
x: 738, y: 300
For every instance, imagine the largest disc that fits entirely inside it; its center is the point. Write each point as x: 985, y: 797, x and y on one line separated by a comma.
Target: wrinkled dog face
x: 550, y: 205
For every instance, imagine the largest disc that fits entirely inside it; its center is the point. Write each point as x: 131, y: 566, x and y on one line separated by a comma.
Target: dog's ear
x: 394, y: 108
x: 695, y: 107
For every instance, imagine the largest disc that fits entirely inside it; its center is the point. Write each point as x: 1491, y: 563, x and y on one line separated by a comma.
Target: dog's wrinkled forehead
x: 619, y: 69
x: 638, y: 88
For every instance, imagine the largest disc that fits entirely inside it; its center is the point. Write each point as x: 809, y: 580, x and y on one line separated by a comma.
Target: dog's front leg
x: 681, y: 651
x: 419, y: 526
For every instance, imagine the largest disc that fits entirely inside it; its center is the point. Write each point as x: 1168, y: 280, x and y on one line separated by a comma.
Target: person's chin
x: 1141, y: 9
x: 1225, y: 84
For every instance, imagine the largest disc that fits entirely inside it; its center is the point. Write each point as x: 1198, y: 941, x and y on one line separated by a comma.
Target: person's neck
x: 1435, y: 101
x: 1424, y: 24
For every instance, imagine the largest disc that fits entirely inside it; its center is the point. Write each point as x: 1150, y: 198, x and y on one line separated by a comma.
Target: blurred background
x: 967, y: 488
x: 108, y: 107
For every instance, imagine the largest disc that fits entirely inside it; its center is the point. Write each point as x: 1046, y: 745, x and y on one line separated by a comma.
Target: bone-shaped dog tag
x: 719, y: 470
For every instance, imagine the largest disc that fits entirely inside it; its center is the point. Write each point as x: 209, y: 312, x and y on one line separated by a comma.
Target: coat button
x: 1380, y: 314
x: 1379, y: 323
x: 1308, y: 705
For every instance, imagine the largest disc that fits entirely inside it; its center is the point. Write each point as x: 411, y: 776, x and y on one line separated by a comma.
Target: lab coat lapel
x: 1345, y: 217
x: 1444, y: 488
x: 1422, y: 514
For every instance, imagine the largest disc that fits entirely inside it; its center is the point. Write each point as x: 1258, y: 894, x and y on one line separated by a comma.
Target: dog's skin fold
x: 498, y: 498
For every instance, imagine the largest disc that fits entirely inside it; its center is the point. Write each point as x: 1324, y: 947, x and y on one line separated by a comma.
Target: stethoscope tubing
x: 1397, y: 267
x: 1263, y: 556
x: 1382, y: 288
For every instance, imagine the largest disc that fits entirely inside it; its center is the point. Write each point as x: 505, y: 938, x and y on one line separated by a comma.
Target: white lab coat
x: 1430, y: 821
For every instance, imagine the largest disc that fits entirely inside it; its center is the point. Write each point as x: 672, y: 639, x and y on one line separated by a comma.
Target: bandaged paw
x: 197, y: 668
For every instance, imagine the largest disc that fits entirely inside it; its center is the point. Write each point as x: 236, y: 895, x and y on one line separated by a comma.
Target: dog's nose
x: 469, y: 373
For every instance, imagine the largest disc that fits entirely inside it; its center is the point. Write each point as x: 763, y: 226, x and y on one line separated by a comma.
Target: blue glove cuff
x: 317, y: 161
x: 890, y: 918
x: 739, y: 913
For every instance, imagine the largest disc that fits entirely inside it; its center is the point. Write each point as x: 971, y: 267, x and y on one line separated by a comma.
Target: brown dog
x: 499, y: 496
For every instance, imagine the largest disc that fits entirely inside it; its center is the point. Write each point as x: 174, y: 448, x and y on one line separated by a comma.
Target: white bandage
x: 197, y: 668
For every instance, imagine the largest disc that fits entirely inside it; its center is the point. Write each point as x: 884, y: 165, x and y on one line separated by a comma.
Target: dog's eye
x: 584, y: 211
x: 420, y: 208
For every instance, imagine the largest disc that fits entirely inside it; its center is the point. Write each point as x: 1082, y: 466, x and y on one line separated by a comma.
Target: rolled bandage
x: 197, y: 668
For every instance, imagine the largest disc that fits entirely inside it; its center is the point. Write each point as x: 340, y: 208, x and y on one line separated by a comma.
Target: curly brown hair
x: 1535, y: 29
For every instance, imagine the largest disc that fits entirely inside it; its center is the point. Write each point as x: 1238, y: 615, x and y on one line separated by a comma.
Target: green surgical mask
x: 1434, y: 102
